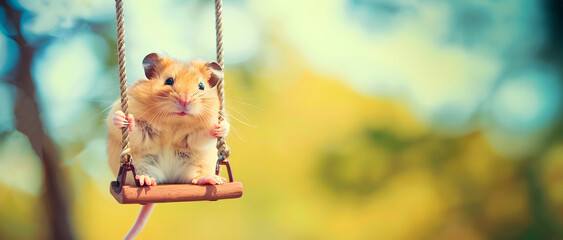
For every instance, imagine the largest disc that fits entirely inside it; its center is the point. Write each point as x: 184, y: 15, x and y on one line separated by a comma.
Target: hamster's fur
x: 171, y: 142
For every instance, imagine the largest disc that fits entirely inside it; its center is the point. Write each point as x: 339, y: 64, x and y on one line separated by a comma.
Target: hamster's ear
x: 216, y: 73
x: 149, y: 64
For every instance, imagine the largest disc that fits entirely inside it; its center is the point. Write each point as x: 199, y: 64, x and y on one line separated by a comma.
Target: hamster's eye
x: 169, y: 81
x: 201, y: 86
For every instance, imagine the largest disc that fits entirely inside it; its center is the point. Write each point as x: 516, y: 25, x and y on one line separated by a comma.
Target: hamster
x: 173, y: 126
x: 173, y: 116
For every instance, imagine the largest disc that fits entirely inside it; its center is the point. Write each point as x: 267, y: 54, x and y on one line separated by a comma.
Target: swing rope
x: 223, y: 150
x: 125, y: 154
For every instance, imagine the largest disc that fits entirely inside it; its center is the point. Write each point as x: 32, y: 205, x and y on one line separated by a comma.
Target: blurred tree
x: 28, y: 120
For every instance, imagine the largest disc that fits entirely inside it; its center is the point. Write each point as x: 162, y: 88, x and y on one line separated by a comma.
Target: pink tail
x: 140, y: 222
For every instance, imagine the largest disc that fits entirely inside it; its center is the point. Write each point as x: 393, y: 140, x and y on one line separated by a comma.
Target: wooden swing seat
x: 176, y: 193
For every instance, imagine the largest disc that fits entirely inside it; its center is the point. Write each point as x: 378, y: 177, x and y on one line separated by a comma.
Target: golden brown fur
x: 169, y: 147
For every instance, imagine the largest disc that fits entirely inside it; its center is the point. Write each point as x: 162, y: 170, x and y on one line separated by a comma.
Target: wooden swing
x: 170, y: 192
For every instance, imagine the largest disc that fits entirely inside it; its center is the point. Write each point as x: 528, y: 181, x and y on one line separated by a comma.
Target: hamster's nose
x: 183, y: 100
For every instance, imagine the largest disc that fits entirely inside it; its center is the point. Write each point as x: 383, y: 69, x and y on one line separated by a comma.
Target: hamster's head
x: 177, y: 89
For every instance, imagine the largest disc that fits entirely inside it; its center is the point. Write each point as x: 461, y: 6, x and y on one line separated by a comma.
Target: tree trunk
x: 28, y: 122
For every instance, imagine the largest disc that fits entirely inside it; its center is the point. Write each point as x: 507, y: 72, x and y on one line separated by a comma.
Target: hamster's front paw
x: 146, y: 180
x: 120, y: 121
x: 209, y: 180
x: 220, y: 130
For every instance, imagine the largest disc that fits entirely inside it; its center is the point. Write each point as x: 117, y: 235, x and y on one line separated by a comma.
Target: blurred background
x: 352, y: 119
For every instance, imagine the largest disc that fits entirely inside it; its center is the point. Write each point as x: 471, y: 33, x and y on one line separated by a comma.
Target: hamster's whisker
x: 209, y: 93
x: 248, y: 104
x: 154, y: 117
x: 206, y: 107
x: 196, y: 92
x: 231, y: 116
x: 236, y: 132
x: 229, y: 97
x: 232, y: 108
x: 162, y: 115
x: 168, y: 116
x: 158, y: 112
x: 103, y: 111
x: 206, y: 114
x: 243, y: 122
x: 105, y: 102
x: 146, y: 109
x: 161, y: 97
x: 159, y: 119
x: 157, y: 105
x: 240, y: 87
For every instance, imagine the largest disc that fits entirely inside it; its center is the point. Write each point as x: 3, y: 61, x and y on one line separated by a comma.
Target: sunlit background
x: 357, y: 119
